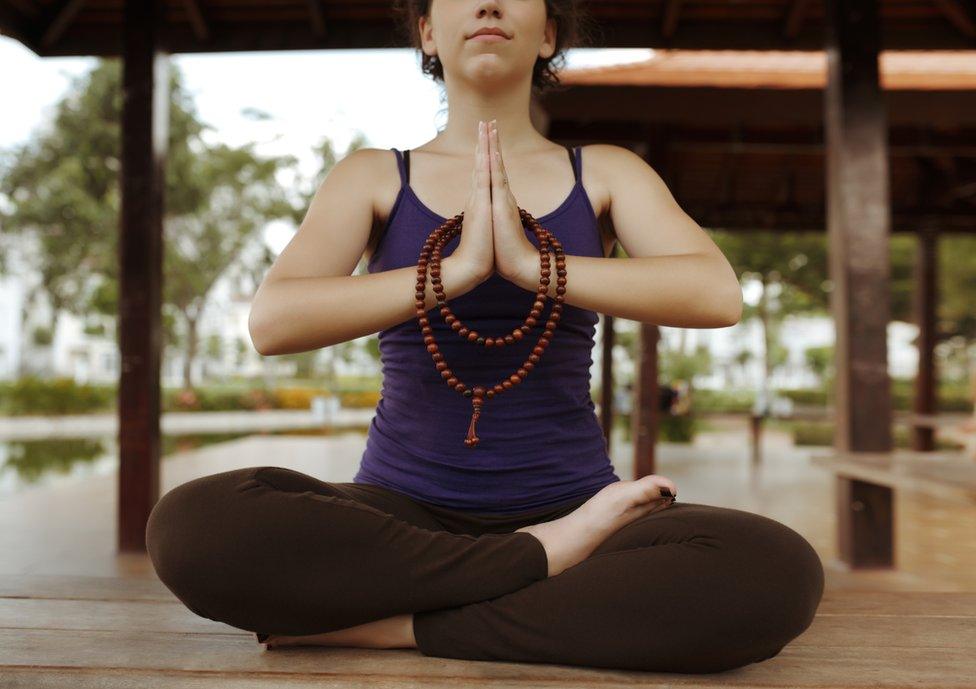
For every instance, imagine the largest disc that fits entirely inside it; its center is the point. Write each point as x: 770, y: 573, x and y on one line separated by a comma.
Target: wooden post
x: 645, y: 412
x: 145, y: 108
x: 646, y: 407
x: 755, y: 433
x: 606, y: 376
x: 858, y: 223
x: 925, y: 300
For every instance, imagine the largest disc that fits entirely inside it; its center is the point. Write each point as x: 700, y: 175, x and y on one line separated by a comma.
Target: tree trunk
x: 191, y: 352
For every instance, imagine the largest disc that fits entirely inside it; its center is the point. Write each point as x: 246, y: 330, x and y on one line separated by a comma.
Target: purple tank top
x: 540, y: 441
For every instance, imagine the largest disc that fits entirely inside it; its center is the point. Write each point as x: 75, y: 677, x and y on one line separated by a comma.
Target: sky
x: 309, y: 95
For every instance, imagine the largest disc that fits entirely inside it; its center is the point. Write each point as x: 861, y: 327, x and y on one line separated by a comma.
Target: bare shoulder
x: 372, y: 178
x: 369, y: 169
x: 613, y: 169
x: 602, y: 165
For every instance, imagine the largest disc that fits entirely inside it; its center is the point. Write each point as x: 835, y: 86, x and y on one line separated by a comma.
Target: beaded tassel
x: 472, y: 439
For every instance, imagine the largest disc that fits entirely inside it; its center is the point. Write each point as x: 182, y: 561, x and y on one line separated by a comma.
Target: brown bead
x: 429, y: 263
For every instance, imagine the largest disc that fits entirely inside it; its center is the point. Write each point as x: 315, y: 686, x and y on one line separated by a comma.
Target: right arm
x: 309, y: 298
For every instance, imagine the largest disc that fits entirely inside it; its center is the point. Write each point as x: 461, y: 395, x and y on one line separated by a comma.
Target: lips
x: 489, y: 32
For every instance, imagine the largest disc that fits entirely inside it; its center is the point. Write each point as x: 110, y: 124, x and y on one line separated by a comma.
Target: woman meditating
x: 486, y: 521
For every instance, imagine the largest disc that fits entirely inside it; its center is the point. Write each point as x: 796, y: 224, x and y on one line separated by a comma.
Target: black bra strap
x: 406, y: 163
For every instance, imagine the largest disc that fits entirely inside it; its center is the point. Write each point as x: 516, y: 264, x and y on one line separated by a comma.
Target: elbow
x: 726, y: 298
x: 731, y: 311
x: 259, y: 333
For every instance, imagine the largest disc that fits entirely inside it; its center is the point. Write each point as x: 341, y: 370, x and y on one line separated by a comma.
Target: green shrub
x: 821, y: 433
x: 712, y: 401
x: 33, y: 395
x: 677, y: 428
x: 359, y: 399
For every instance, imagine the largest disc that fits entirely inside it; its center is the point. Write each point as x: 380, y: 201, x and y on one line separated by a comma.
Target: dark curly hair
x: 574, y: 29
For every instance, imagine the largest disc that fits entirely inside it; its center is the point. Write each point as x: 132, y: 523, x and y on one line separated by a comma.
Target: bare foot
x: 570, y: 539
x: 390, y: 632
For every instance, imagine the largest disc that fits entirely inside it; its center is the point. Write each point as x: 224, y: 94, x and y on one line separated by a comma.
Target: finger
x: 480, y: 178
x: 485, y: 166
x: 498, y: 179
x: 501, y: 166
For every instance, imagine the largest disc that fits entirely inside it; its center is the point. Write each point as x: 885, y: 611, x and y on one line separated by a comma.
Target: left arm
x: 673, y: 275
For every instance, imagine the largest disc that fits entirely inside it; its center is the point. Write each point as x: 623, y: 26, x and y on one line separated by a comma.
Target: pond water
x: 26, y: 464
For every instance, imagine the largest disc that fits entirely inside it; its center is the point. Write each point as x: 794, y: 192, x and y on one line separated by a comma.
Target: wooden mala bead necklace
x: 430, y: 257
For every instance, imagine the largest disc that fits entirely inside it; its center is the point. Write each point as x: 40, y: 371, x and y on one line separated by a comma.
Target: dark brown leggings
x: 690, y: 588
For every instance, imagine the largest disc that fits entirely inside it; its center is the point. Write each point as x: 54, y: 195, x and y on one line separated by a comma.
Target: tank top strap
x: 402, y: 162
x: 574, y: 156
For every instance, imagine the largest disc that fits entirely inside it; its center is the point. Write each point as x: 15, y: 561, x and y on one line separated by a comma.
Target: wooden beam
x: 670, y: 17
x: 795, y: 15
x: 28, y: 8
x: 145, y: 108
x: 198, y: 21
x: 317, y: 16
x: 958, y: 15
x: 19, y: 27
x: 725, y: 194
x: 61, y: 19
x: 369, y: 26
x: 858, y: 225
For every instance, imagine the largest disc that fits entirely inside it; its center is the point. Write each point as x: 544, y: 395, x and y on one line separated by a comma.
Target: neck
x: 509, y: 106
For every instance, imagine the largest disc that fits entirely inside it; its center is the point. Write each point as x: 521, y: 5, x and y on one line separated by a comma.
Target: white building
x: 89, y: 357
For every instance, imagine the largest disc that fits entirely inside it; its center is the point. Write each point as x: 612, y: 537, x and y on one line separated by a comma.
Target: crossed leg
x: 276, y: 551
x: 693, y: 588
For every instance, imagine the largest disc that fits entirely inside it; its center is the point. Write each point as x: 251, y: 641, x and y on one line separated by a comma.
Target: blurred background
x: 733, y: 415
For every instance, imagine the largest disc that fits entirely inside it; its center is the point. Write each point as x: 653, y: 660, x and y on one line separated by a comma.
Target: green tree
x: 343, y: 351
x: 791, y: 270
x: 820, y: 360
x: 63, y: 191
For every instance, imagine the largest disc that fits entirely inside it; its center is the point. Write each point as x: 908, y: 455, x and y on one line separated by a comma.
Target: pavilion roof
x: 93, y: 27
x: 791, y: 69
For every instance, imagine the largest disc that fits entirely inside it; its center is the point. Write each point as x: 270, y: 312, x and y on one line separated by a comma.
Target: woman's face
x: 447, y: 33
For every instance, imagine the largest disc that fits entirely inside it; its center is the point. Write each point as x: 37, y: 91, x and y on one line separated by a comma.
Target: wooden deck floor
x: 101, y: 632
x: 73, y: 613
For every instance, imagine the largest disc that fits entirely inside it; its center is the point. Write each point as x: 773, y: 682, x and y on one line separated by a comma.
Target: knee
x: 790, y: 586
x: 802, y: 577
x: 170, y: 531
x: 183, y: 531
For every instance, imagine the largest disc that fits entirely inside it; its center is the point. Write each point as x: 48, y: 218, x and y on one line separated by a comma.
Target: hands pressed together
x: 493, y: 238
